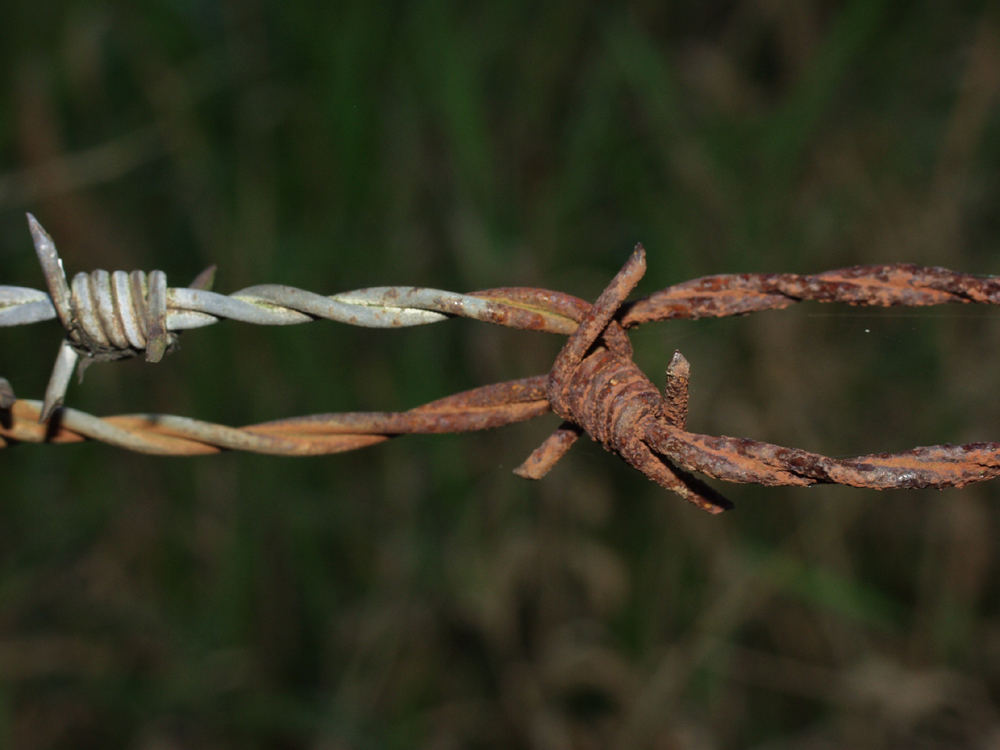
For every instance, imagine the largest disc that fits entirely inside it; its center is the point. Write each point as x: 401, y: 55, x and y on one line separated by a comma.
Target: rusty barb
x: 594, y: 385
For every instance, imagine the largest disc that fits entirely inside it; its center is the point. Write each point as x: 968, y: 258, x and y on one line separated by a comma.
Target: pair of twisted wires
x: 105, y: 301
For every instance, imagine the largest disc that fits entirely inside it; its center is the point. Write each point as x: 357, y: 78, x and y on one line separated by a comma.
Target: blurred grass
x: 417, y: 594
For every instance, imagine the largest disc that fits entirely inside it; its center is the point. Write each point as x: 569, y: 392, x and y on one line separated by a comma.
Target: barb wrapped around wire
x: 594, y: 385
x: 106, y: 316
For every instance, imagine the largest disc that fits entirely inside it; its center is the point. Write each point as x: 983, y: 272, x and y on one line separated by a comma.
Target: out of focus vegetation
x: 417, y: 594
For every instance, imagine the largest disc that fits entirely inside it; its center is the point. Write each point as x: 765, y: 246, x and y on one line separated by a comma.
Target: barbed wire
x: 594, y: 385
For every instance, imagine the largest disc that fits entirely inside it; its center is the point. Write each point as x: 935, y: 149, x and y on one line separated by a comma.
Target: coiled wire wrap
x: 106, y: 316
x: 117, y: 315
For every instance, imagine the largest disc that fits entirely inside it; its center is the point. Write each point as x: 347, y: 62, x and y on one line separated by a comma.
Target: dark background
x: 417, y: 594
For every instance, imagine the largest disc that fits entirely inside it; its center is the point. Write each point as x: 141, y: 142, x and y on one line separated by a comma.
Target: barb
x: 594, y: 385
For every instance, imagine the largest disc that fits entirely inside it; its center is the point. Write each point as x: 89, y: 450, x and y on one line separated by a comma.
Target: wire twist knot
x: 107, y: 316
x: 597, y: 389
x: 118, y: 315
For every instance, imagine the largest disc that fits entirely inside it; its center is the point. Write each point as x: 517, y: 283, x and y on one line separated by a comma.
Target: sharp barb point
x: 205, y: 280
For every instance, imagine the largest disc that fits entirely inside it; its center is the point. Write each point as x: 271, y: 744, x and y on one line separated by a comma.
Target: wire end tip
x: 36, y: 228
x: 7, y: 397
x: 44, y: 245
x: 205, y: 280
x: 678, y: 366
x: 718, y: 509
x: 525, y: 472
x: 157, y: 347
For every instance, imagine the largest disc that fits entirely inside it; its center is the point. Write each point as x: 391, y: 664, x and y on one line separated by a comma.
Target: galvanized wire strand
x: 21, y: 306
x: 276, y: 304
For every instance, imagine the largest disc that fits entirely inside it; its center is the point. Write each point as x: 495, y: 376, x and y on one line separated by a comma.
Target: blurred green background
x: 417, y: 594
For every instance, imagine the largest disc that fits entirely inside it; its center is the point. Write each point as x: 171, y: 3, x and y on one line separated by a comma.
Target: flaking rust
x: 902, y: 284
x: 594, y: 385
x: 601, y: 391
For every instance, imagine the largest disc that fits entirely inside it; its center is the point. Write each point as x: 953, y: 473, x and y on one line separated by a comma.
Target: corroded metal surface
x: 594, y: 385
x: 318, y: 434
x: 751, y: 461
x: 870, y: 286
x: 604, y: 393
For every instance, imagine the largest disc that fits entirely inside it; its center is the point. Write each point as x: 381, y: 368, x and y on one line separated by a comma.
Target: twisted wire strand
x: 726, y: 458
x: 276, y: 304
x: 104, y: 308
x: 746, y: 461
x: 884, y: 285
x: 318, y: 434
x: 530, y: 308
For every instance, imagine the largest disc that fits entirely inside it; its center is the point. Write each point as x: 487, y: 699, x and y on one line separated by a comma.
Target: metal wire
x: 103, y: 304
x: 594, y: 384
x: 117, y: 315
x: 726, y: 458
x: 163, y: 434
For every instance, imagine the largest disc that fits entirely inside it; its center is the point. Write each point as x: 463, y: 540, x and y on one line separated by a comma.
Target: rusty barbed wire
x: 594, y: 385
